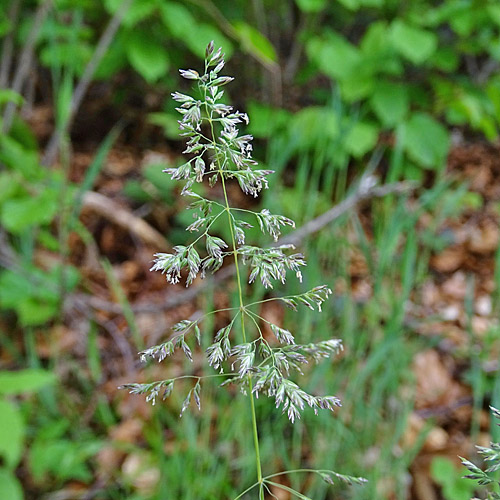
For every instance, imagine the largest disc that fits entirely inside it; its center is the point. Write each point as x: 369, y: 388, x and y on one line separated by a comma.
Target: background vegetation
x: 340, y: 94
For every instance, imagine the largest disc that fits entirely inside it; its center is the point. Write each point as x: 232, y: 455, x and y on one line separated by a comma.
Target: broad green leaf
x: 442, y: 470
x: 25, y: 380
x: 311, y: 5
x: 197, y: 40
x: 168, y: 122
x: 266, y: 120
x: 8, y: 95
x: 10, y: 487
x: 446, y: 59
x: 254, y: 42
x: 34, y: 312
x: 16, y: 157
x: 334, y: 56
x: 358, y: 87
x: 11, y: 434
x: 390, y: 102
x: 21, y: 213
x: 138, y: 10
x: 177, y: 19
x: 9, y: 186
x: 415, y: 44
x: 68, y: 55
x: 378, y: 53
x: 350, y: 4
x: 148, y: 57
x: 313, y: 126
x: 426, y: 141
x: 361, y: 138
x: 23, y: 134
x: 494, y: 12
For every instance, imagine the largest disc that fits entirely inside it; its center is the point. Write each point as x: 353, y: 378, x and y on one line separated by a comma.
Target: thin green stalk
x: 242, y: 307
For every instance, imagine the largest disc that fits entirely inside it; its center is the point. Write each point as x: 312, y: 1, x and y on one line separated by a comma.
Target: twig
x: 124, y: 218
x: 365, y: 191
x: 25, y: 62
x: 105, y: 40
x: 8, y: 44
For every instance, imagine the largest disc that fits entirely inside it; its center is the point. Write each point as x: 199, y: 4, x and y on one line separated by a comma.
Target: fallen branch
x: 367, y: 189
x: 122, y: 217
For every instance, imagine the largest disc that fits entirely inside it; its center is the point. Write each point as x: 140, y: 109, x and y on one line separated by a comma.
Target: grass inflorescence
x: 239, y: 352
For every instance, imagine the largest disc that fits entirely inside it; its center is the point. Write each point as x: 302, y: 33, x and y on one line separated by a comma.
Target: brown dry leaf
x: 66, y: 339
x: 430, y: 294
x: 128, y: 431
x: 480, y: 325
x: 412, y: 432
x: 423, y: 487
x: 484, y: 240
x: 120, y: 162
x: 437, y: 439
x: 435, y: 386
x: 449, y: 260
x: 109, y: 459
x: 455, y: 287
x: 137, y: 468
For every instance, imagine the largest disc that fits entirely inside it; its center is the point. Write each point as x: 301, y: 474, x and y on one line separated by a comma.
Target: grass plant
x: 241, y: 353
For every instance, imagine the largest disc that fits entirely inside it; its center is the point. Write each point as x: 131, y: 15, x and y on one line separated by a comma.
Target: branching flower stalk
x: 256, y: 365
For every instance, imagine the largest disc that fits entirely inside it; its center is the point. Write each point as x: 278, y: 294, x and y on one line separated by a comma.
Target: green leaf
x: 390, y: 102
x: 199, y: 38
x: 426, y: 141
x: 34, y: 312
x: 313, y: 126
x: 148, y: 57
x: 415, y: 44
x: 311, y: 5
x: 361, y: 139
x: 25, y: 380
x: 8, y: 95
x: 11, y: 434
x: 167, y: 121
x: 177, y: 19
x: 138, y: 11
x: 266, y: 120
x: 10, y: 487
x: 334, y: 56
x: 67, y: 55
x: 254, y: 42
x: 9, y: 186
x: 21, y: 213
x: 19, y: 159
x: 350, y: 4
x: 443, y: 471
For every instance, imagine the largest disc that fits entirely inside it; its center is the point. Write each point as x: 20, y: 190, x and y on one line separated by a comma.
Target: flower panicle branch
x: 217, y: 152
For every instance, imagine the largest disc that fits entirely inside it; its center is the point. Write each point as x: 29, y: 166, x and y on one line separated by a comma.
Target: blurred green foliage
x: 325, y: 83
